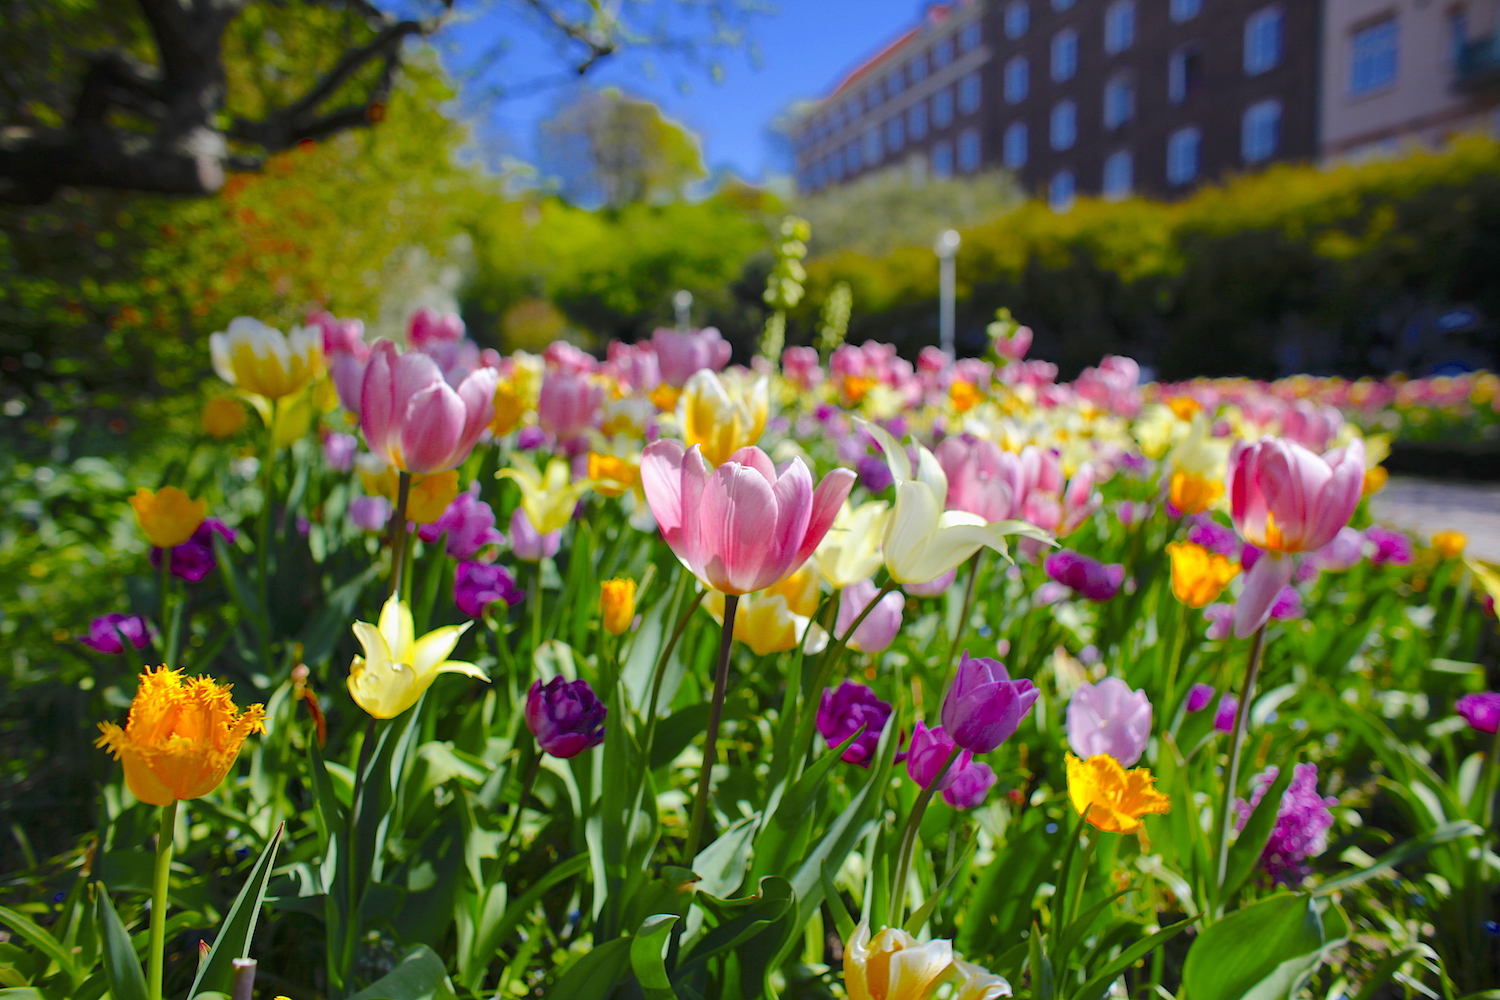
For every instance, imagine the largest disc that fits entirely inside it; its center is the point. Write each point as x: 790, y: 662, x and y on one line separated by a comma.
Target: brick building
x: 1104, y: 97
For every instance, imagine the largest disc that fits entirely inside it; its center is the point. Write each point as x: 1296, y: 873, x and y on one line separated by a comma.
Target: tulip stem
x: 1174, y: 662
x: 398, y: 530
x: 527, y: 787
x: 167, y: 625
x: 711, y: 744
x: 156, y: 954
x: 963, y: 618
x: 263, y: 543
x: 1491, y: 765
x: 909, y: 839
x: 1236, y: 738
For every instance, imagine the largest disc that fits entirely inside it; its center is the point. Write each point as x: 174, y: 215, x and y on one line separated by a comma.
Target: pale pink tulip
x: 680, y: 355
x: 739, y: 527
x: 1310, y: 425
x: 880, y: 627
x: 1015, y: 346
x: 568, y: 403
x: 801, y: 368
x: 1109, y: 718
x: 413, y: 419
x: 986, y: 481
x: 346, y: 353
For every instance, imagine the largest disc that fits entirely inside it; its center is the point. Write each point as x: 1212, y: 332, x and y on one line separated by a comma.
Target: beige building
x: 1404, y: 72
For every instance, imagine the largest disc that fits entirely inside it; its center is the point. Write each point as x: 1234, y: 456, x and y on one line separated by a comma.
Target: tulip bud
x: 168, y: 517
x: 566, y: 717
x: 880, y: 626
x: 843, y: 710
x: 984, y: 707
x: 1109, y: 718
x: 1481, y: 711
x: 617, y: 605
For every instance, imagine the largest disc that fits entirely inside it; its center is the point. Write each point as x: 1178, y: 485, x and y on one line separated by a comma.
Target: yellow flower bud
x: 1198, y: 575
x: 1450, y: 544
x: 168, y: 517
x: 617, y: 605
x: 223, y: 417
x: 431, y: 495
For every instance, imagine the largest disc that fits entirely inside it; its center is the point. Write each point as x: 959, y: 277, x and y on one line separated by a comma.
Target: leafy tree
x: 893, y: 209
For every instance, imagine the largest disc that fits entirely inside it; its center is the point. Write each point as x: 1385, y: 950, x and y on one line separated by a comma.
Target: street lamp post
x: 946, y: 249
x: 682, y: 302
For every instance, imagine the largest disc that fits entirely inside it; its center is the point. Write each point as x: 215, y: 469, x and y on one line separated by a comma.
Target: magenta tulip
x: 469, y: 524
x: 930, y: 748
x: 566, y: 717
x: 970, y: 785
x: 1085, y: 576
x: 680, y: 355
x: 1109, y: 718
x: 841, y: 713
x: 477, y: 585
x: 105, y: 631
x: 413, y: 419
x: 984, y: 707
x: 1481, y: 711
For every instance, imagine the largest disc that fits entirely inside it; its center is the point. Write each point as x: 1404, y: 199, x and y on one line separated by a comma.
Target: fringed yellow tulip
x: 719, y: 420
x: 1111, y: 798
x: 548, y: 498
x: 617, y: 605
x: 169, y: 516
x: 263, y: 360
x: 181, y: 737
x: 1198, y: 575
x: 397, y: 667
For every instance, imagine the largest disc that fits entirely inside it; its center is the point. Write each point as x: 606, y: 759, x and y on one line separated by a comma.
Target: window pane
x: 1375, y: 57
x: 1060, y: 191
x: 1260, y: 131
x: 969, y: 38
x: 916, y: 121
x: 1182, y: 156
x: 895, y: 134
x: 1015, y: 145
x: 942, y: 108
x: 1119, y: 26
x: 1184, y: 10
x: 1064, y: 55
x: 1017, y: 80
x: 968, y: 94
x: 942, y: 53
x: 1262, y: 40
x: 1064, y: 125
x: 968, y: 150
x: 942, y: 160
x: 1017, y: 19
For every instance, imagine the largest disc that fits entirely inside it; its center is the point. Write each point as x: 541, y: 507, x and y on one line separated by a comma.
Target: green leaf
x: 121, y: 965
x: 1099, y: 984
x: 647, y: 956
x: 595, y: 975
x: 1400, y: 854
x: 420, y: 975
x: 841, y: 916
x: 1263, y: 951
x: 236, y: 933
x: 1251, y: 843
x: 43, y: 942
x: 488, y: 939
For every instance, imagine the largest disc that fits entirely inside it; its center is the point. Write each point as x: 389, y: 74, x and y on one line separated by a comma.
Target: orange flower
x: 1111, y: 798
x: 1375, y: 480
x: 964, y: 396
x: 1184, y: 407
x: 169, y: 516
x: 181, y: 738
x: 511, y: 405
x: 1191, y: 493
x: 613, y: 476
x: 617, y: 605
x: 1198, y: 575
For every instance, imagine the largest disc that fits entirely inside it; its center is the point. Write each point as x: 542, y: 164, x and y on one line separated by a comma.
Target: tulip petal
x: 661, y: 479
x: 1263, y: 584
x: 397, y: 629
x: 433, y: 648
x: 461, y: 667
x: 792, y: 496
x: 432, y: 430
x: 827, y: 500
x: 895, y: 455
x: 738, y: 516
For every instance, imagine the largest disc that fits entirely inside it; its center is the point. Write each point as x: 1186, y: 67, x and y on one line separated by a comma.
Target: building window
x: 942, y: 53
x: 1260, y: 133
x: 916, y: 121
x: 1119, y: 100
x: 1064, y: 130
x: 872, y: 147
x: 1064, y: 55
x: 852, y: 157
x: 1015, y: 145
x: 895, y: 133
x: 1119, y: 26
x: 942, y: 108
x: 968, y: 37
x: 1458, y: 34
x: 895, y: 84
x: 942, y: 160
x: 1185, y: 10
x: 1017, y: 79
x: 1184, y: 73
x: 1017, y: 18
x: 1119, y: 169
x: 836, y: 166
x: 1375, y: 57
x: 918, y: 69
x: 873, y: 97
x: 1060, y: 192
x: 968, y: 150
x: 968, y: 94
x: 1262, y: 40
x: 1061, y: 4
x: 1182, y: 155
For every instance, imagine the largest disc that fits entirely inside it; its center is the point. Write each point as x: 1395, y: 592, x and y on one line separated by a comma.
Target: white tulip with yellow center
x: 850, y: 552
x: 265, y: 362
x: 397, y: 666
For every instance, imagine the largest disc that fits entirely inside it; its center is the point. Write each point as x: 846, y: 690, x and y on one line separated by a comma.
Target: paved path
x: 1424, y: 506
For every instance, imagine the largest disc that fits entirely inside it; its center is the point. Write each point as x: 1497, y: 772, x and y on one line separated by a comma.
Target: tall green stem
x: 1492, y: 766
x: 168, y: 625
x: 963, y: 618
x: 156, y: 955
x: 398, y: 531
x: 268, y: 506
x: 1174, y: 662
x: 526, y: 789
x: 1236, y: 738
x: 909, y: 838
x: 711, y: 744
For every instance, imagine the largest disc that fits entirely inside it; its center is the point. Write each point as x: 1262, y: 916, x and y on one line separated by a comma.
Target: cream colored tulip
x: 262, y: 360
x: 893, y: 966
x: 397, y: 666
x: 850, y: 552
x: 548, y: 497
x: 975, y: 982
x: 722, y: 415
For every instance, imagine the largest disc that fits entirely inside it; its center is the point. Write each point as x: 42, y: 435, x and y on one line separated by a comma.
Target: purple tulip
x: 1109, y: 718
x: 469, y: 523
x: 970, y: 785
x: 1199, y: 695
x: 338, y: 451
x: 1302, y: 823
x: 1343, y: 553
x: 932, y: 588
x: 1212, y: 535
x: 880, y: 627
x: 1086, y: 577
x: 1224, y: 715
x: 843, y: 710
x: 1220, y: 620
x: 370, y: 513
x: 194, y: 558
x: 530, y: 437
x: 528, y: 544
x: 105, y: 631
x: 566, y: 717
x: 984, y: 707
x: 477, y: 585
x: 1288, y: 605
x: 874, y: 474
x: 1394, y: 547
x: 930, y: 748
x: 1481, y: 711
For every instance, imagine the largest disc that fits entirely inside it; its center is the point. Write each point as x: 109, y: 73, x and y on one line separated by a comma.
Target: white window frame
x: 1119, y: 26
x: 1015, y: 145
x: 1017, y: 79
x: 1263, y: 40
x: 1112, y: 189
x: 1260, y: 131
x: 1179, y: 169
x: 1062, y: 128
x: 1064, y: 55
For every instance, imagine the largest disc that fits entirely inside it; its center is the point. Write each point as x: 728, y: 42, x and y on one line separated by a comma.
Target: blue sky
x: 797, y: 51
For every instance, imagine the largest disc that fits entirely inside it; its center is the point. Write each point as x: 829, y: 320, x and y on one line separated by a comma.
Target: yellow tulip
x: 430, y: 496
x: 397, y: 667
x: 511, y: 404
x: 720, y: 421
x: 778, y: 618
x: 376, y: 478
x: 263, y: 360
x: 1450, y: 544
x: 1375, y: 480
x: 223, y: 417
x: 168, y: 517
x: 548, y: 498
x: 1110, y: 797
x: 612, y: 475
x: 181, y: 737
x: 617, y: 605
x: 1191, y: 493
x: 850, y: 552
x: 294, y: 415
x: 1198, y: 575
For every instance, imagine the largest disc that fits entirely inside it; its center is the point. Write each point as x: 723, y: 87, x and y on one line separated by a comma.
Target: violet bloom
x: 880, y: 627
x: 1049, y: 594
x: 1109, y: 718
x: 843, y: 710
x: 530, y: 437
x: 984, y: 707
x: 469, y: 523
x: 874, y: 473
x: 1212, y: 535
x: 1302, y: 823
x: 1481, y: 711
x: 194, y: 558
x: 566, y: 717
x: 1224, y: 715
x: 930, y: 748
x: 528, y: 544
x: 1288, y: 605
x: 370, y: 513
x: 1199, y: 695
x: 932, y: 588
x: 1394, y: 547
x: 970, y: 785
x: 338, y: 451
x: 1344, y: 552
x: 477, y: 585
x: 105, y: 631
x: 1085, y: 576
x: 1220, y: 620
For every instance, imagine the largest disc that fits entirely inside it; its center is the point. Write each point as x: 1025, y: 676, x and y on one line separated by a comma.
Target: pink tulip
x: 1109, y: 718
x: 679, y: 355
x: 1310, y: 425
x: 880, y: 626
x: 800, y: 366
x: 428, y: 327
x: 1015, y: 346
x: 1284, y: 499
x: 633, y: 367
x: 561, y: 354
x: 932, y: 588
x: 529, y: 545
x: 568, y: 403
x: 739, y: 527
x: 413, y: 419
x: 986, y: 481
x: 346, y: 354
